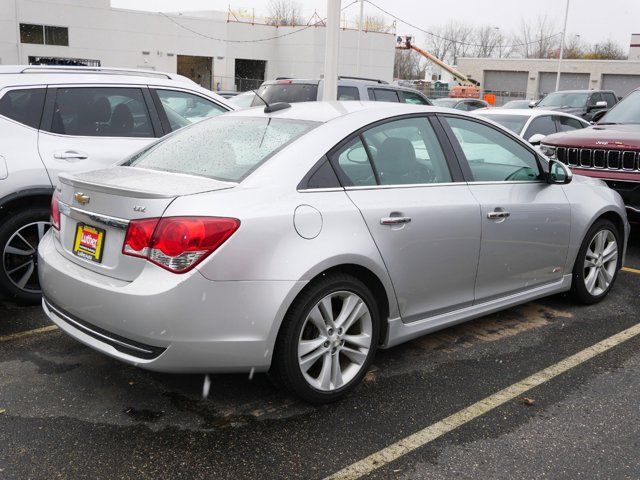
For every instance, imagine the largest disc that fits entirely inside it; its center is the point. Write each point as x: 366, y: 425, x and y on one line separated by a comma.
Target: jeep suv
x: 588, y: 104
x: 57, y: 119
x: 292, y: 90
x: 609, y: 150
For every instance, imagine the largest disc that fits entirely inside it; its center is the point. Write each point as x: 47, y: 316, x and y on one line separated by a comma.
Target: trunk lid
x: 96, y: 207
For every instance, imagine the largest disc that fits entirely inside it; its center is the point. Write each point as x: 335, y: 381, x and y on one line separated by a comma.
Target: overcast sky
x: 593, y: 20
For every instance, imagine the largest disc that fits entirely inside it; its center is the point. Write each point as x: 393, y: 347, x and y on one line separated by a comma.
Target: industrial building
x: 212, y: 48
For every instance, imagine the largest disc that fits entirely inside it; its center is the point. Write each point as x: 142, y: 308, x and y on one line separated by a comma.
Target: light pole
x: 359, y: 36
x: 331, y: 48
x: 499, y: 38
x: 564, y: 31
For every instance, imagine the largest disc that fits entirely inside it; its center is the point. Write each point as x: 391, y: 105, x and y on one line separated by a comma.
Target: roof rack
x: 377, y: 80
x: 104, y: 70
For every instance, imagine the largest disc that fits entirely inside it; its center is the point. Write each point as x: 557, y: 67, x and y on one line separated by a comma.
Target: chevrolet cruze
x: 299, y: 239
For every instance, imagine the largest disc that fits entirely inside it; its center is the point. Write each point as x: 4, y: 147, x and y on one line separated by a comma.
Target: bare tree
x: 539, y: 39
x: 488, y: 42
x: 608, y: 50
x: 408, y: 65
x: 284, y: 12
x: 574, y: 47
x: 451, y: 41
x: 372, y: 23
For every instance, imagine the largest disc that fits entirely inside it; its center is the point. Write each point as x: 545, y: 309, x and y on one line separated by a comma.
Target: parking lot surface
x: 69, y: 412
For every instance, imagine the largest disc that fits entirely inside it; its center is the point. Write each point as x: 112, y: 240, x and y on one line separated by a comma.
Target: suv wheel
x: 20, y: 235
x: 328, y: 339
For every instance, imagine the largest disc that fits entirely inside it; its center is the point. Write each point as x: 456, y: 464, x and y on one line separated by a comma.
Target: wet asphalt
x: 70, y: 412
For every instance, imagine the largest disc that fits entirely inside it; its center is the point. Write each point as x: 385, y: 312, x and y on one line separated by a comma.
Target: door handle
x: 70, y: 155
x: 495, y: 215
x: 394, y: 220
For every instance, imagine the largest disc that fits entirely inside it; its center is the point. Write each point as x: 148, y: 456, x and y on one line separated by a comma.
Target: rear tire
x: 20, y: 235
x: 327, y: 340
x: 597, y: 264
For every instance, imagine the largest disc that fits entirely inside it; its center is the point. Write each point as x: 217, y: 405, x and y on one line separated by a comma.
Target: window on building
x: 44, y: 34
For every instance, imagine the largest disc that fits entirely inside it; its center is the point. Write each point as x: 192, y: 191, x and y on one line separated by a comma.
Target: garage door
x: 621, y: 84
x: 568, y: 81
x: 505, y: 85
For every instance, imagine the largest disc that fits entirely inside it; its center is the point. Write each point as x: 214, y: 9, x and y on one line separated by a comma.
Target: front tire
x: 597, y: 263
x: 328, y: 339
x: 20, y: 235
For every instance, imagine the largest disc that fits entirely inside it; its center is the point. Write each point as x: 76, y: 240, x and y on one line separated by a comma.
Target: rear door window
x: 610, y: 98
x: 544, y: 125
x: 414, y: 98
x: 287, y: 92
x: 182, y: 108
x: 101, y: 112
x: 353, y: 165
x: 383, y: 95
x: 23, y: 105
x: 348, y: 93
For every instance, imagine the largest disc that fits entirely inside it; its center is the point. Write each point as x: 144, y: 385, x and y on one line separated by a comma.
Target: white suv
x: 57, y: 119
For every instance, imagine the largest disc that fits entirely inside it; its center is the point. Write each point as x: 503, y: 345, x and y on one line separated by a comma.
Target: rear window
x: 510, y: 122
x: 287, y: 92
x: 24, y: 106
x: 223, y: 148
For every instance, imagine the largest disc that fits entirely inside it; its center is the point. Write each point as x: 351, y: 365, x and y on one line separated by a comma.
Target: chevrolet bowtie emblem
x: 81, y: 198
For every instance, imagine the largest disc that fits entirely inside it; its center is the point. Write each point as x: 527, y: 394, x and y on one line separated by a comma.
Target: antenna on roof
x: 273, y: 107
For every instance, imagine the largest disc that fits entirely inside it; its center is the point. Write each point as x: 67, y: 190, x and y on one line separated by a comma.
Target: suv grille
x: 597, y: 158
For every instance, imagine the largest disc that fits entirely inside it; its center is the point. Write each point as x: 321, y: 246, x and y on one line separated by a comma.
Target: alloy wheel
x: 335, y: 340
x: 600, y: 262
x: 20, y: 256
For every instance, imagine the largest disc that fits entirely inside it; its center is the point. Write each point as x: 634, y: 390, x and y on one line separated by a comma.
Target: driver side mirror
x: 598, y: 105
x: 536, y: 138
x: 533, y: 103
x: 558, y: 173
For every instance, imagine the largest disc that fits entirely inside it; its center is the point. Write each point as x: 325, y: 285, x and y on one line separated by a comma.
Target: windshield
x: 287, y: 92
x: 223, y: 148
x: 445, y: 102
x: 565, y: 99
x: 515, y: 123
x: 627, y: 111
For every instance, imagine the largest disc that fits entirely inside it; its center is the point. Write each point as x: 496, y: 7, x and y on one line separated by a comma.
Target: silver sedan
x: 300, y: 240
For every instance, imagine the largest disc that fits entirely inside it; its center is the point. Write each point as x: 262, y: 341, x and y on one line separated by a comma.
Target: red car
x: 609, y: 149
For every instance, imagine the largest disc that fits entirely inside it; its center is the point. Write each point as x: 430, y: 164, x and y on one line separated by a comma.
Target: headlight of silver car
x: 548, y: 151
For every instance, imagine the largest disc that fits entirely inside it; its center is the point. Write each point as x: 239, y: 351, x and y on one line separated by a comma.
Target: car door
x: 90, y: 127
x: 525, y: 221
x: 422, y: 217
x: 178, y: 108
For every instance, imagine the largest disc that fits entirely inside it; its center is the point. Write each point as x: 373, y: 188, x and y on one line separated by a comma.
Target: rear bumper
x: 166, y: 322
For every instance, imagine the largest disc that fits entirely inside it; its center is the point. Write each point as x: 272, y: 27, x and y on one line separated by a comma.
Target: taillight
x: 177, y: 243
x: 55, y: 211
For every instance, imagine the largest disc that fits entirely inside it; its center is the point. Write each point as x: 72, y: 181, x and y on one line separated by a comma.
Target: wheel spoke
x: 348, y: 305
x: 315, y: 315
x: 590, y: 279
x: 361, y: 340
x: 325, y: 373
x: 327, y: 311
x: 606, y: 276
x: 336, y: 372
x: 41, y: 230
x: 591, y: 254
x: 17, y: 251
x: 308, y: 346
x: 9, y: 272
x: 588, y: 263
x: 355, y: 356
x: 19, y: 235
x: 309, y: 360
x: 600, y: 242
x: 26, y: 276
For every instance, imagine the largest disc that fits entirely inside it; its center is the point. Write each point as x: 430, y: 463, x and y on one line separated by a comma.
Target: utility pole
x: 331, y: 49
x: 564, y: 31
x: 359, y: 36
x: 19, y: 46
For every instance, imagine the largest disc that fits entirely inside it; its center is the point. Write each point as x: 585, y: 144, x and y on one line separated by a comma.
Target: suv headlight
x: 548, y: 150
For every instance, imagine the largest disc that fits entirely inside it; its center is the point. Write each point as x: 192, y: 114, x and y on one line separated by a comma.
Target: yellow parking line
x: 28, y: 333
x: 631, y: 270
x: 430, y: 433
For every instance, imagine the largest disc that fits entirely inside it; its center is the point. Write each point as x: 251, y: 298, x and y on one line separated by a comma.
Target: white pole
x: 359, y: 35
x: 564, y: 31
x: 331, y: 47
x: 19, y: 45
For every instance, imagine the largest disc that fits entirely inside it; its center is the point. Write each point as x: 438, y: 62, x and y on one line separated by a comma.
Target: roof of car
x: 327, y: 111
x: 581, y: 91
x: 529, y: 112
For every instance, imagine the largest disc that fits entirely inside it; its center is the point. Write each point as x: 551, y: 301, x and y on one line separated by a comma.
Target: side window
x: 183, y: 108
x: 101, y: 112
x: 493, y: 156
x: 544, y: 125
x: 595, y: 98
x: 323, y: 177
x: 414, y: 98
x: 384, y: 95
x: 610, y: 98
x: 354, y: 165
x: 348, y: 93
x: 24, y: 106
x: 407, y: 152
x: 567, y: 123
